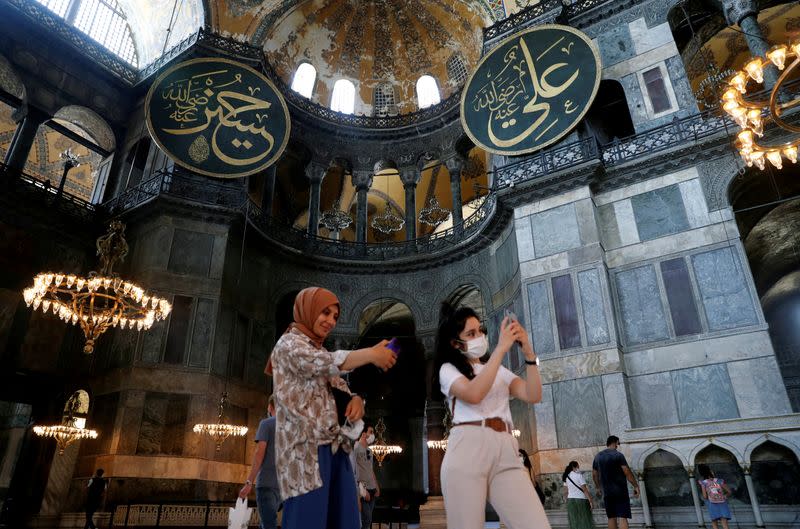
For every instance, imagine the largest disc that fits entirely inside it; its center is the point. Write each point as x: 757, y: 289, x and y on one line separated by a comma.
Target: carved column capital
x: 409, y: 176
x: 362, y: 180
x: 315, y: 172
x: 737, y: 10
x: 454, y: 165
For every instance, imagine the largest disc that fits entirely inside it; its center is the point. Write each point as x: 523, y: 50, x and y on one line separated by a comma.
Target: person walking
x: 715, y: 494
x: 365, y: 474
x: 579, y: 501
x: 526, y: 462
x: 316, y: 478
x: 610, y: 471
x: 94, y: 497
x: 481, y: 461
x: 263, y: 471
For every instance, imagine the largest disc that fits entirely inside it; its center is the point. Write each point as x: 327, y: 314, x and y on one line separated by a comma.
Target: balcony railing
x: 547, y: 161
x: 186, y: 186
x: 25, y: 187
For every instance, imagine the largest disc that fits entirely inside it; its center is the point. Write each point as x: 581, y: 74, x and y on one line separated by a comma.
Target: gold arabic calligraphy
x: 509, y: 91
x: 191, y: 100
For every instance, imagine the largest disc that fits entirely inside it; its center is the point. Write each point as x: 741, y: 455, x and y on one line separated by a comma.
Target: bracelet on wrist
x: 534, y: 362
x: 248, y: 482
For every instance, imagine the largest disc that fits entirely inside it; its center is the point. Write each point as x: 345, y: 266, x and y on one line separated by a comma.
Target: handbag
x: 239, y: 516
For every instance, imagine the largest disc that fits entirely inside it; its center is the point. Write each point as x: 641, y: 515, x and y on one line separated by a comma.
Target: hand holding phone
x: 394, y: 346
x: 510, y: 314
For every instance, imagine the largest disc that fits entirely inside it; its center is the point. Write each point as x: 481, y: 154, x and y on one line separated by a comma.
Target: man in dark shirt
x: 611, y: 473
x: 263, y: 471
x: 94, y: 497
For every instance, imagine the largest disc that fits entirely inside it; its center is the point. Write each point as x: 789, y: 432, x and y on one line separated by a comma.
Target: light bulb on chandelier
x: 754, y: 116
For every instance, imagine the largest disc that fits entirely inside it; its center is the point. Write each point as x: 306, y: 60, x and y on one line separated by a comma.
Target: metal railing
x: 25, y: 186
x: 546, y: 162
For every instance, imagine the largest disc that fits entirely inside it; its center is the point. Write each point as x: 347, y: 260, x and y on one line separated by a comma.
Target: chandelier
x: 380, y: 449
x: 220, y: 431
x: 441, y: 444
x: 71, y: 429
x: 433, y: 214
x: 335, y: 219
x: 752, y: 115
x: 100, y: 300
x: 388, y: 222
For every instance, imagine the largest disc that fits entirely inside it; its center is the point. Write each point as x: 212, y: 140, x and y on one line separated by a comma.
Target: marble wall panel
x: 522, y: 228
x: 555, y: 230
x: 680, y: 297
x: 723, y: 284
x: 694, y: 201
x: 704, y: 394
x: 580, y: 403
x: 652, y: 400
x: 223, y: 338
x: 103, y: 418
x: 593, y: 307
x: 642, y: 314
x: 616, y: 45
x: 541, y: 327
x: 152, y: 343
x: 569, y: 334
x: 617, y: 408
x: 587, y: 222
x: 659, y: 212
x: 190, y: 253
x: 507, y: 261
x: 546, y: 420
x: 609, y: 230
x: 163, y: 424
x: 200, y: 350
x: 179, y: 320
x: 758, y: 387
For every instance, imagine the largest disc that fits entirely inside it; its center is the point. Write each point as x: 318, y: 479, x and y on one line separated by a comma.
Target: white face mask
x: 370, y: 439
x: 476, y: 347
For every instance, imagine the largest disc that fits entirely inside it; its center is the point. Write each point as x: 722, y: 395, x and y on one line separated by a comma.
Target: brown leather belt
x: 495, y: 423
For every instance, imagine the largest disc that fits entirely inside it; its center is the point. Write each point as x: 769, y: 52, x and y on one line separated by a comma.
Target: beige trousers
x: 479, y: 465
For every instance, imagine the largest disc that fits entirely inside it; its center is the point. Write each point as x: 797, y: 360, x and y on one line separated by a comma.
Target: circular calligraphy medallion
x: 217, y: 117
x: 531, y: 90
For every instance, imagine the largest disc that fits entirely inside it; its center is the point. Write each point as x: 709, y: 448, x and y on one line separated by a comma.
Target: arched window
x: 304, y: 79
x: 456, y: 69
x: 103, y: 20
x: 344, y: 97
x: 427, y: 92
x: 383, y: 103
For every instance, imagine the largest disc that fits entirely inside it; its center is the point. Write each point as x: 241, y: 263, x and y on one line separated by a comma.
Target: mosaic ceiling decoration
x: 375, y: 41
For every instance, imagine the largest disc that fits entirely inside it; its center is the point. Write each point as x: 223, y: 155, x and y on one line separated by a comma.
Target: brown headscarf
x: 308, y: 305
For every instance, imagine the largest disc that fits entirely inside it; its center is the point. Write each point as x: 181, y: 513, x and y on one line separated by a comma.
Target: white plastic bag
x: 239, y: 516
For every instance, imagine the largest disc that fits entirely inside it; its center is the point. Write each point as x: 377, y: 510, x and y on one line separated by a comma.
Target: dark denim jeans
x: 366, y: 509
x: 268, y: 501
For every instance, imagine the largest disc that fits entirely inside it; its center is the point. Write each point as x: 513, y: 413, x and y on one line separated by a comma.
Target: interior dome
x: 376, y: 43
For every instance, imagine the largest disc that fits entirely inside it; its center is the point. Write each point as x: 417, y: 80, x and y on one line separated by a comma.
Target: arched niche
x: 76, y: 409
x: 725, y: 466
x: 666, y: 480
x: 776, y: 474
x: 86, y: 122
x: 609, y: 117
x: 468, y: 295
x: 135, y: 164
x: 401, y: 389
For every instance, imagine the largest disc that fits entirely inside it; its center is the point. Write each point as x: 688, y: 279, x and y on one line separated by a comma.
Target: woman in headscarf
x: 314, y: 472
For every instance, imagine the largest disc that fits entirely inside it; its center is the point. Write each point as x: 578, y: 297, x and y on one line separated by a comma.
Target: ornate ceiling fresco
x: 375, y: 41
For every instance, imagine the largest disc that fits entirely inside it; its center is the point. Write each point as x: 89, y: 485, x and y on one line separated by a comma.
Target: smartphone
x: 394, y: 346
x: 510, y: 314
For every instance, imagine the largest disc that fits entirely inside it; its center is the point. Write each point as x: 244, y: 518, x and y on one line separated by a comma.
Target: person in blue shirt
x: 264, y: 473
x: 610, y: 472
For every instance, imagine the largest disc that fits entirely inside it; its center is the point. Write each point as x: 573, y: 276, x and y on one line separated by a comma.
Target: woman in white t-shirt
x: 579, y: 501
x: 481, y: 458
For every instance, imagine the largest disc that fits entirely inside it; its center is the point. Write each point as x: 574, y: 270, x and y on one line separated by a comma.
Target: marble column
x: 434, y: 415
x: 268, y: 194
x: 695, y: 497
x: 28, y: 120
x: 648, y: 520
x: 315, y: 173
x: 410, y: 177
x: 362, y: 180
x: 454, y: 166
x: 744, y: 13
x: 751, y: 491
